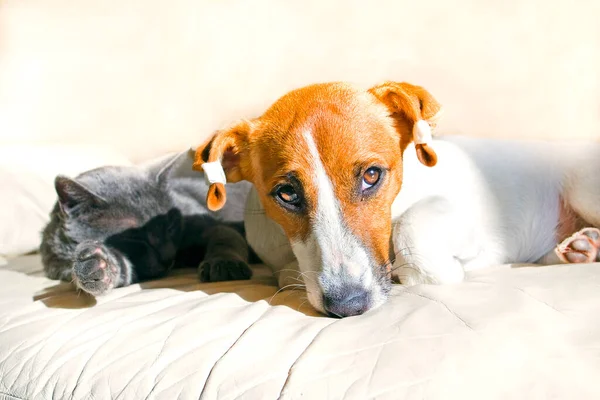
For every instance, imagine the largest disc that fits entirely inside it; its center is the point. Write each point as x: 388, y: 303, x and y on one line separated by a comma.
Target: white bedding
x: 508, y: 332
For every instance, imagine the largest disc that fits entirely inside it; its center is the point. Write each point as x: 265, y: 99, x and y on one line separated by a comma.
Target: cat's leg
x: 227, y: 254
x: 219, y: 248
x: 97, y: 269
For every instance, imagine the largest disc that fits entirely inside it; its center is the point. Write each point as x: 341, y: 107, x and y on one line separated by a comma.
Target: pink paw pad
x: 581, y: 247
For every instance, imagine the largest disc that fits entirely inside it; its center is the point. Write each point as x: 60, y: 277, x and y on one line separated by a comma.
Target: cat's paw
x: 219, y: 269
x: 581, y: 247
x: 94, y: 271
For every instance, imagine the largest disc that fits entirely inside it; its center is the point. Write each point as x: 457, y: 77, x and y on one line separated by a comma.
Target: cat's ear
x: 179, y: 165
x: 72, y: 195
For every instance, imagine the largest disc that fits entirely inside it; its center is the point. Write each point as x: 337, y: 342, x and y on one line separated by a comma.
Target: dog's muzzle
x: 346, y: 301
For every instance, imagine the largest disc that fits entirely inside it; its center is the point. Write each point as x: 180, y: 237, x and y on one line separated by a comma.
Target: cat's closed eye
x: 116, y: 223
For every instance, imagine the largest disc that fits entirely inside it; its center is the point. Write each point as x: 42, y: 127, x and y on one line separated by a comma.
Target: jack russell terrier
x: 351, y: 191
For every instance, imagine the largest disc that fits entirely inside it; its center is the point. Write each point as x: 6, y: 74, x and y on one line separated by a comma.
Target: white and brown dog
x: 345, y: 194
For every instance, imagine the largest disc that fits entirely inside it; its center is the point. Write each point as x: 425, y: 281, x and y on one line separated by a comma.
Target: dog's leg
x: 582, y: 186
x: 429, y: 241
x: 582, y: 194
x: 581, y: 247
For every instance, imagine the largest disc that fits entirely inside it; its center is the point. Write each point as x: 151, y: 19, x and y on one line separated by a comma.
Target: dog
x: 351, y: 191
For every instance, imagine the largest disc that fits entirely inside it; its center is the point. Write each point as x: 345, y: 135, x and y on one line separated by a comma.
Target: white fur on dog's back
x: 582, y: 181
x: 506, y: 192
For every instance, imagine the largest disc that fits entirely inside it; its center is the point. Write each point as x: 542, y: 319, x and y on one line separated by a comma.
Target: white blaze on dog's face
x: 326, y: 161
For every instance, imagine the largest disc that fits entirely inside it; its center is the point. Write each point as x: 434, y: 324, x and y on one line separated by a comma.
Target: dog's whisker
x: 295, y: 270
x: 297, y: 279
x: 292, y: 291
x: 287, y: 270
x: 301, y: 304
x: 406, y: 249
x: 408, y: 265
x: 301, y: 276
x: 294, y: 285
x: 304, y: 274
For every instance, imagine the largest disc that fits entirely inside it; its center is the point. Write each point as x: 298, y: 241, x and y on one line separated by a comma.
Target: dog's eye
x: 288, y: 195
x: 370, y: 178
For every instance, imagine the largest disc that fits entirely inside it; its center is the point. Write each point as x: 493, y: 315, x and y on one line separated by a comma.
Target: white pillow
x: 27, y: 180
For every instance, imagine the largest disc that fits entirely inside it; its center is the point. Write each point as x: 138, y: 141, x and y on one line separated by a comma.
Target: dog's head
x: 326, y: 161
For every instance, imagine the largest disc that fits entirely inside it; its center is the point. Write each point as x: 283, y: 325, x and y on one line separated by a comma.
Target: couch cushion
x: 506, y: 333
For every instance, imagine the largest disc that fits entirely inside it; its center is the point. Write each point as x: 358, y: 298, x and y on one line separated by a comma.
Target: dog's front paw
x: 219, y: 269
x: 581, y: 247
x: 94, y: 271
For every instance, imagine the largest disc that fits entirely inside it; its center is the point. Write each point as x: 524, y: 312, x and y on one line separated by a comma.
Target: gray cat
x: 114, y: 226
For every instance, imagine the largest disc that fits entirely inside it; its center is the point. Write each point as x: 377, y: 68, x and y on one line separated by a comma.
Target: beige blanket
x: 508, y: 332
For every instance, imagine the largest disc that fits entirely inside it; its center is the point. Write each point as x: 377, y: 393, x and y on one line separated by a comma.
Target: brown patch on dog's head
x: 326, y: 161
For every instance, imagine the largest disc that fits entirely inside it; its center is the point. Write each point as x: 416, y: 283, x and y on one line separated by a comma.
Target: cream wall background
x: 149, y: 76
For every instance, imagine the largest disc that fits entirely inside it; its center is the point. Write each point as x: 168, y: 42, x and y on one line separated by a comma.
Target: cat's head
x: 105, y: 201
x: 128, y: 205
x: 108, y: 200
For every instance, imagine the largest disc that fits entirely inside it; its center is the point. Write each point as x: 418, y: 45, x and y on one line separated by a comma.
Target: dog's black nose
x: 347, y: 302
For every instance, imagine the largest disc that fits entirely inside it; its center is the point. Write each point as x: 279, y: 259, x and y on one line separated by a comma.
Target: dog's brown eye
x: 287, y: 194
x: 370, y: 178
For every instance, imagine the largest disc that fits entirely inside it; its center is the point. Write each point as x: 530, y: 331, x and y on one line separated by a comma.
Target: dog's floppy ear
x: 415, y: 106
x: 220, y: 158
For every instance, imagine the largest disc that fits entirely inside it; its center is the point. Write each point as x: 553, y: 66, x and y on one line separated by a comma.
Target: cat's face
x: 124, y: 208
x: 153, y: 245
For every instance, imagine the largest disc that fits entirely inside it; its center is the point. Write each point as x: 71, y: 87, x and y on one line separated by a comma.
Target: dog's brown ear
x: 225, y: 149
x: 418, y: 108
